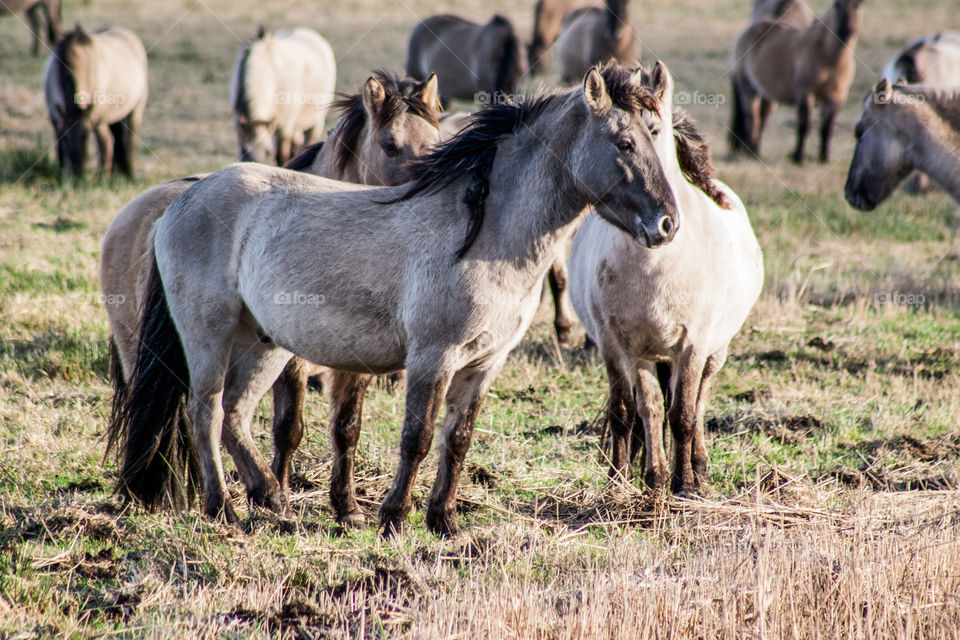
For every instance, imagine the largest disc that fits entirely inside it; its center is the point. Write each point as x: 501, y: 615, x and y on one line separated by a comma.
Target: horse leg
x: 289, y: 393
x: 649, y: 407
x: 52, y: 10
x: 132, y: 125
x: 254, y: 365
x: 766, y: 108
x: 699, y: 447
x: 686, y: 375
x: 557, y: 277
x: 104, y: 148
x: 283, y: 149
x: 620, y: 417
x: 828, y: 113
x: 426, y: 388
x: 347, y: 391
x: 464, y: 397
x: 804, y: 107
x: 33, y: 19
x: 120, y: 140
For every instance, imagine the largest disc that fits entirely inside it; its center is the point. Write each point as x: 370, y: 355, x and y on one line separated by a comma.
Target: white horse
x: 680, y: 304
x: 281, y: 91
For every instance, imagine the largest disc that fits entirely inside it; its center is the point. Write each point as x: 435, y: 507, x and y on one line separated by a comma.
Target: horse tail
x: 738, y: 123
x: 151, y: 429
x: 117, y: 380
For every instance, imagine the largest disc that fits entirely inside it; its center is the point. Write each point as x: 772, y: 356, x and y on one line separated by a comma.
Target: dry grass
x: 834, y: 454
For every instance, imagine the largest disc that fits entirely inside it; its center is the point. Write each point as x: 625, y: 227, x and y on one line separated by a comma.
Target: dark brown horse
x: 547, y: 22
x: 593, y: 35
x: 50, y: 10
x: 777, y: 62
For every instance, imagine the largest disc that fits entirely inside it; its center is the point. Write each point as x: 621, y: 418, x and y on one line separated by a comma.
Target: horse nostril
x: 665, y: 226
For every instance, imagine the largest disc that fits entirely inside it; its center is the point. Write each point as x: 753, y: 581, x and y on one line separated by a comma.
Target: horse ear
x: 595, y: 92
x: 373, y: 96
x: 431, y: 92
x: 882, y: 92
x: 662, y: 83
x: 261, y: 31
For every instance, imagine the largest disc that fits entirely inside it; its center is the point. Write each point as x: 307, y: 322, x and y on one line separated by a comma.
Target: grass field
x: 833, y: 510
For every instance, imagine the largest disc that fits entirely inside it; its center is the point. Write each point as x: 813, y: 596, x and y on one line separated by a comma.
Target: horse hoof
x: 442, y: 523
x: 392, y: 520
x: 275, y: 500
x: 655, y: 479
x: 563, y: 337
x: 222, y: 513
x: 352, y: 520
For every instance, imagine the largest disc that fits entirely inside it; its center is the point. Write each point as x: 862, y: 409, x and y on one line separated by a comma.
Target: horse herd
x: 411, y: 240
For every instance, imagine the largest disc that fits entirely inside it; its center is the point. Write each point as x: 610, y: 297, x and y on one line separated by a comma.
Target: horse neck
x: 839, y: 30
x: 936, y: 149
x: 326, y: 162
x: 257, y: 83
x: 618, y: 16
x: 683, y: 191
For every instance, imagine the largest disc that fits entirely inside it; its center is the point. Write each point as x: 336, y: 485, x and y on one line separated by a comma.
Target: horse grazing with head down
x: 593, y: 35
x: 547, y: 22
x: 440, y: 276
x: 281, y: 90
x: 473, y: 61
x: 388, y: 124
x: 777, y: 62
x: 96, y: 82
x: 50, y: 10
x: 677, y: 306
x: 904, y: 128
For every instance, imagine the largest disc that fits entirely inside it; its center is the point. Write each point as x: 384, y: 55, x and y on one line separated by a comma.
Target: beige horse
x: 281, y: 90
x: 441, y: 277
x: 593, y: 35
x: 679, y: 305
x: 904, y: 128
x: 777, y: 62
x: 475, y: 62
x: 96, y: 81
x: 33, y: 8
x: 384, y: 127
x: 547, y: 22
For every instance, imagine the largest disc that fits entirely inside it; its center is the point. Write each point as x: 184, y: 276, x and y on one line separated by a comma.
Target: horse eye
x: 625, y: 146
x: 654, y: 132
x: 390, y: 148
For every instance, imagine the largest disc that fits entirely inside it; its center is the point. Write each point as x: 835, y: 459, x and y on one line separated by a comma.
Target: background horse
x: 469, y: 58
x: 96, y: 81
x: 793, y: 13
x: 547, y: 22
x: 33, y: 8
x: 391, y: 122
x: 680, y: 304
x: 440, y: 276
x: 281, y: 90
x: 902, y: 129
x: 776, y: 62
x: 593, y: 35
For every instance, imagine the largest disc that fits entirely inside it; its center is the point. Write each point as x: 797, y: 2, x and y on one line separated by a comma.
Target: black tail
x: 150, y: 430
x: 738, y: 123
x: 119, y: 382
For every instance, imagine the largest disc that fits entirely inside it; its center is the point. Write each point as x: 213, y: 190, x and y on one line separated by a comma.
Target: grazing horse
x: 281, y: 90
x: 679, y: 305
x: 385, y: 126
x: 931, y: 60
x: 547, y: 22
x: 440, y: 276
x: 96, y: 81
x: 904, y: 128
x: 475, y: 62
x: 777, y: 62
x: 593, y: 35
x: 33, y: 9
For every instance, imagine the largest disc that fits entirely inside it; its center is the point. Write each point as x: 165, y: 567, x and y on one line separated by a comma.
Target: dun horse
x: 50, y: 10
x: 547, y: 22
x: 777, y: 62
x: 281, y: 90
x: 678, y: 305
x: 593, y: 35
x: 474, y: 62
x: 793, y: 13
x: 391, y: 122
x: 440, y: 276
x: 904, y: 128
x: 96, y: 81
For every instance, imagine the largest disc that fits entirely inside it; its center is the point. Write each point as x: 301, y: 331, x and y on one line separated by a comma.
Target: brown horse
x: 904, y: 128
x: 96, y: 81
x: 593, y: 35
x: 33, y: 8
x: 781, y: 63
x: 391, y: 122
x: 793, y: 13
x: 547, y: 22
x: 474, y: 62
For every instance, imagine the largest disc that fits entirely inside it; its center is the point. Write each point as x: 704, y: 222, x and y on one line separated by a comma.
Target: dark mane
x: 694, y: 157
x: 63, y: 61
x: 906, y: 64
x: 844, y: 15
x: 240, y: 106
x: 402, y: 94
x: 306, y: 157
x: 471, y: 151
